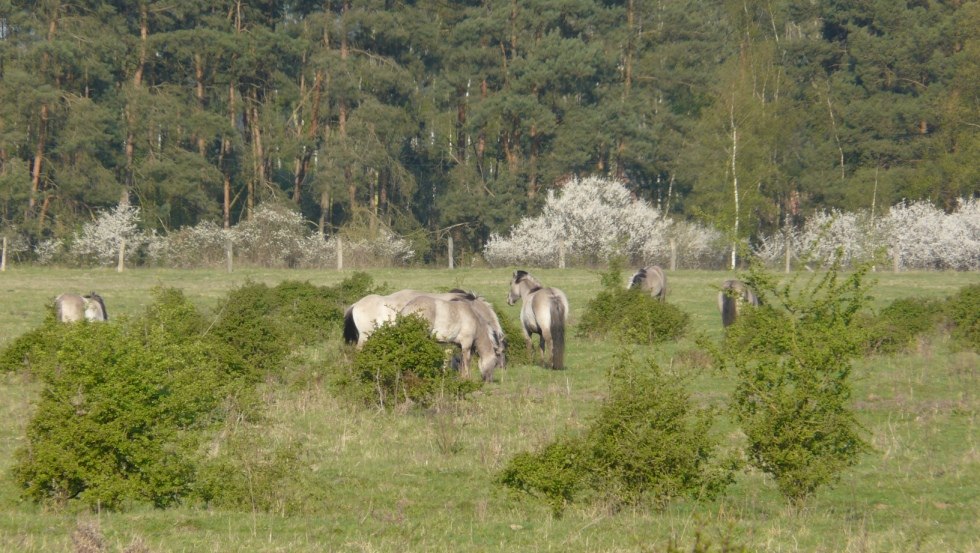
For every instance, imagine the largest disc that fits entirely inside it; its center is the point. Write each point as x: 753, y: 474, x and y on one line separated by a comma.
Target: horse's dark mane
x: 533, y: 289
x: 464, y: 295
x: 520, y: 275
x: 639, y: 277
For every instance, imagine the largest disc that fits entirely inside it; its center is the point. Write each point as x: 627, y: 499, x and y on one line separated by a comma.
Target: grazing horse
x: 367, y: 314
x: 456, y: 321
x: 652, y: 280
x: 734, y: 293
x: 70, y: 308
x: 544, y: 311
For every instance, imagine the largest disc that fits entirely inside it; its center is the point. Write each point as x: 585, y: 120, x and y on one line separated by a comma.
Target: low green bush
x: 120, y: 415
x: 647, y: 443
x: 896, y: 326
x: 963, y: 311
x: 401, y: 362
x: 35, y: 348
x: 791, y: 368
x: 630, y: 315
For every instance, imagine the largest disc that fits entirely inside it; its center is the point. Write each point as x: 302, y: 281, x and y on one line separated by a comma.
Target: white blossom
x: 596, y: 219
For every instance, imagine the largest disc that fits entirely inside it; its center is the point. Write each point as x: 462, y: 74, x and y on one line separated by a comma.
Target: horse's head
x: 522, y: 279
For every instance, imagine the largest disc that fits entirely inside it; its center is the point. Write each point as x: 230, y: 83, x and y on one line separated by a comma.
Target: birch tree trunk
x: 734, y: 182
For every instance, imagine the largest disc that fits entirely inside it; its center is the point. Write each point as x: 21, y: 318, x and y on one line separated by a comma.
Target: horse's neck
x: 528, y: 287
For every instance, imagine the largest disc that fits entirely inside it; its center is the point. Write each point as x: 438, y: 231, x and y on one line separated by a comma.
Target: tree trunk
x: 734, y: 183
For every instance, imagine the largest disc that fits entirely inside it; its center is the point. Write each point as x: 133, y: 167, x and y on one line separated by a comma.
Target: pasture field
x: 423, y: 481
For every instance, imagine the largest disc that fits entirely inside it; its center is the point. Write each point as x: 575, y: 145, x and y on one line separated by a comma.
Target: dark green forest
x: 432, y: 114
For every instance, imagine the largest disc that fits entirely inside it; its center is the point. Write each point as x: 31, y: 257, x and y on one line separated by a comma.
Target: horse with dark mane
x: 733, y: 295
x: 544, y: 311
x: 71, y: 308
x: 652, y: 280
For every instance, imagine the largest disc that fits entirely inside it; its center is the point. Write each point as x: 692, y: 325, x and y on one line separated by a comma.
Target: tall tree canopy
x: 426, y: 116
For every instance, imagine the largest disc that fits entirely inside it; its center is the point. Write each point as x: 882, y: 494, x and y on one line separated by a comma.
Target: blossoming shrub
x: 916, y: 235
x: 595, y: 219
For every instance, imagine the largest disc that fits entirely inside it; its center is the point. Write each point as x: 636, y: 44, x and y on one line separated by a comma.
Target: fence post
x: 121, y: 264
x: 3, y: 256
x: 340, y: 254
x: 561, y: 253
x: 673, y: 254
x: 896, y: 261
x: 452, y: 263
x: 229, y: 255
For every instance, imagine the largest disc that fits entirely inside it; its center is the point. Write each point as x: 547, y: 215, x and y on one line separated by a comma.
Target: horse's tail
x: 98, y: 299
x: 557, y: 333
x: 729, y: 306
x: 351, y: 334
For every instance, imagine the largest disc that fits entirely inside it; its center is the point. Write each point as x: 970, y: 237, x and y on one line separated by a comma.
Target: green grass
x: 423, y: 481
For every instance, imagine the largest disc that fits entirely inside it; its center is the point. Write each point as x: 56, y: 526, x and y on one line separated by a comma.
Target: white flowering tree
x: 921, y: 236
x: 594, y: 219
x: 101, y: 239
x: 914, y: 235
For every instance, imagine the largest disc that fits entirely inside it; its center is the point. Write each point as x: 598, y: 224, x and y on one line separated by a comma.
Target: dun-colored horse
x: 457, y: 321
x: 70, y: 308
x: 544, y: 311
x: 733, y: 295
x: 652, y: 280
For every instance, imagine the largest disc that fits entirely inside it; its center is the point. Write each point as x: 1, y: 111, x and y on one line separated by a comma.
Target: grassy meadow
x: 423, y: 481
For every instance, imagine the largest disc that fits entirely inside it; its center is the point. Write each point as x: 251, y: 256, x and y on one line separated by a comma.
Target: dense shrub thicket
x: 630, y: 315
x: 647, y: 443
x: 963, y: 310
x: 791, y: 360
x: 895, y: 328
x: 127, y: 407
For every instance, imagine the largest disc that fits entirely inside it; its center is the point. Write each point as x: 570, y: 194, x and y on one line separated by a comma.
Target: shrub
x: 963, y: 310
x: 253, y: 470
x: 646, y: 443
x: 120, y: 415
x: 898, y: 324
x: 791, y: 391
x: 630, y: 314
x: 35, y: 349
x: 598, y: 219
x: 555, y: 473
x: 401, y: 363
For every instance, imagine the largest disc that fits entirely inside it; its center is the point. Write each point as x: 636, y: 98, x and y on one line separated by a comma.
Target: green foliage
x: 646, y: 443
x: 33, y: 349
x: 254, y: 471
x: 262, y: 324
x: 517, y: 354
x: 963, y: 310
x: 792, y: 388
x: 555, y: 474
x: 401, y: 362
x: 120, y: 413
x: 898, y: 324
x: 630, y: 314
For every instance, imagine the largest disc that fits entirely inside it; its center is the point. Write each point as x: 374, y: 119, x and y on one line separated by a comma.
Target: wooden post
x: 121, y: 264
x: 673, y: 254
x: 340, y: 254
x: 896, y: 261
x: 452, y: 263
x: 229, y: 255
x: 561, y: 253
x: 3, y: 256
